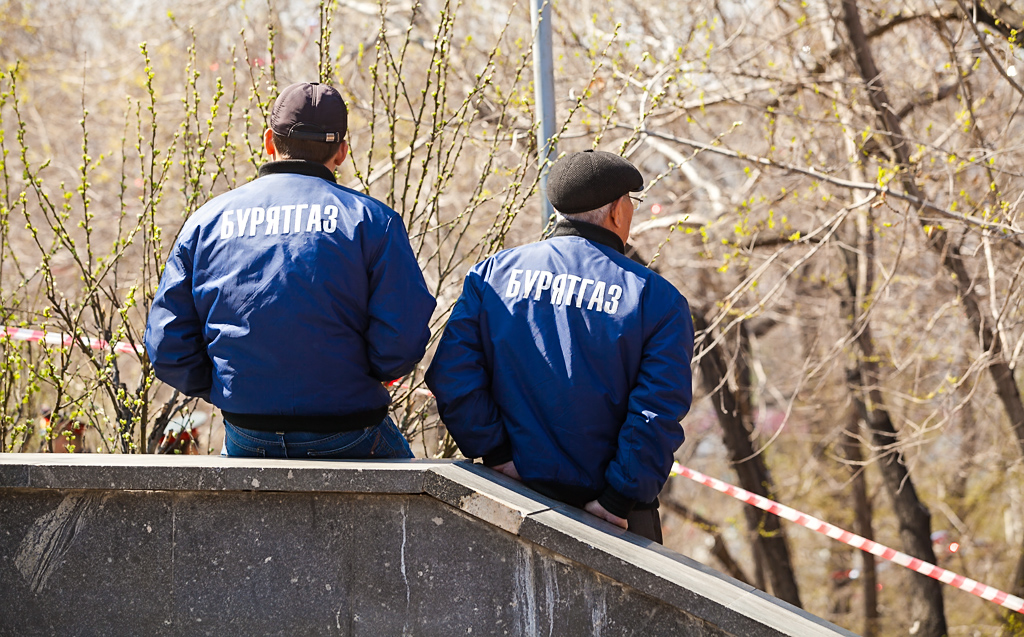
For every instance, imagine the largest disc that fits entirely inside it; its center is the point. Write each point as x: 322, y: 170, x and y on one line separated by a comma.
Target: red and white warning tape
x: 422, y: 391
x: 50, y: 338
x: 946, y: 577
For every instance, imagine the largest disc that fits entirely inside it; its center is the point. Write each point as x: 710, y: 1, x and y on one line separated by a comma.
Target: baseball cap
x: 310, y: 110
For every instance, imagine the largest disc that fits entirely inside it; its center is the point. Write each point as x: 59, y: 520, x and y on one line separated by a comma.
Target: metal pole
x: 544, y: 92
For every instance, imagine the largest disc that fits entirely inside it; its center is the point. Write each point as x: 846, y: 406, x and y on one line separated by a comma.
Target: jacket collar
x: 297, y: 167
x: 566, y: 227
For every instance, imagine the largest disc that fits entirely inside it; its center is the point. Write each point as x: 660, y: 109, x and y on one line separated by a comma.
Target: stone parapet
x: 194, y: 545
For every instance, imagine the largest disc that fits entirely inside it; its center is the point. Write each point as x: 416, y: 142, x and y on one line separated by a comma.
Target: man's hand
x: 594, y: 508
x: 509, y: 469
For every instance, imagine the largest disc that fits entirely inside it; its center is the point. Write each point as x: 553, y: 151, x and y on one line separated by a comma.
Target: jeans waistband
x: 313, y: 423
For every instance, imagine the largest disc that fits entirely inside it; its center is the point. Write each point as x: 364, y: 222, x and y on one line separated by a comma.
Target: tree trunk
x: 852, y: 454
x: 1002, y: 374
x: 926, y: 604
x: 719, y: 549
x: 940, y: 242
x: 769, y: 537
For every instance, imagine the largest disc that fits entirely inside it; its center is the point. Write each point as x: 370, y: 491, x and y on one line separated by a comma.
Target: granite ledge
x: 211, y: 473
x: 484, y: 494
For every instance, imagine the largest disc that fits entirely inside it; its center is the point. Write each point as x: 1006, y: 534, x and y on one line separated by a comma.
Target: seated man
x: 565, y: 363
x: 288, y: 301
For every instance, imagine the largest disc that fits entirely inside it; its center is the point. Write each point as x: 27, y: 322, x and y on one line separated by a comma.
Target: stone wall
x: 158, y: 545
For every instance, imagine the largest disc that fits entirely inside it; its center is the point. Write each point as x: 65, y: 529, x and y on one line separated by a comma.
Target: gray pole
x: 544, y: 91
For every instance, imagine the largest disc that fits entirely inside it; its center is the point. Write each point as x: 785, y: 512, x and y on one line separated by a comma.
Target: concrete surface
x: 198, y: 545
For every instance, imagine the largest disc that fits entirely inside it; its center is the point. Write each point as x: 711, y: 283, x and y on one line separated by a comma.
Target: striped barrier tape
x: 422, y: 391
x: 50, y: 338
x: 983, y: 591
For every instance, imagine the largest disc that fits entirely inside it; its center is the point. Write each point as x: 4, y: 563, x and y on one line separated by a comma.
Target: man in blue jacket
x: 566, y: 364
x: 289, y: 301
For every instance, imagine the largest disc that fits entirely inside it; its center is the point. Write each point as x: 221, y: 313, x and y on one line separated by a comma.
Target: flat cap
x: 585, y: 181
x: 310, y: 110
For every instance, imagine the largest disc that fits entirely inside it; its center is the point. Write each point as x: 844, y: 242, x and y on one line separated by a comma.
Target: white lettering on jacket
x: 273, y: 214
x: 257, y: 219
x: 243, y: 219
x: 564, y: 288
x: 227, y: 227
x: 284, y: 219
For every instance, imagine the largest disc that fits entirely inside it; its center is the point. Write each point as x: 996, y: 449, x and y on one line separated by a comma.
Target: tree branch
x: 1010, y: 233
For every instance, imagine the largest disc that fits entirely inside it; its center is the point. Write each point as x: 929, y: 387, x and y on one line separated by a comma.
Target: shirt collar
x: 566, y: 227
x: 297, y: 167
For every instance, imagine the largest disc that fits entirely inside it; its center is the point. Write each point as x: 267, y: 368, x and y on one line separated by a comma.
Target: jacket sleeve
x: 662, y: 396
x: 460, y: 381
x: 174, y: 332
x: 400, y: 306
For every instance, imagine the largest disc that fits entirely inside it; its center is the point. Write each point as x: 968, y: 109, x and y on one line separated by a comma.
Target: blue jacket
x: 572, y: 360
x: 290, y: 295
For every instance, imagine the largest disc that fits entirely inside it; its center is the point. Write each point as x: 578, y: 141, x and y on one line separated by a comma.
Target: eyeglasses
x: 636, y: 202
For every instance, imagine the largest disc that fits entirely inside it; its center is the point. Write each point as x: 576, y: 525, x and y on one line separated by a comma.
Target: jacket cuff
x: 616, y: 503
x: 500, y: 455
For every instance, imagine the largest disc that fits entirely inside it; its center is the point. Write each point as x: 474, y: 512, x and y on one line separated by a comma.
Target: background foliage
x: 835, y: 185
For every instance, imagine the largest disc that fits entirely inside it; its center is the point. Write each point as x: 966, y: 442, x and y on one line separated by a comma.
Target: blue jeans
x: 380, y: 441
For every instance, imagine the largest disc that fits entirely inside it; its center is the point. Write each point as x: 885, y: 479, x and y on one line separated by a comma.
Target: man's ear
x: 617, y: 216
x: 339, y: 157
x: 268, y: 143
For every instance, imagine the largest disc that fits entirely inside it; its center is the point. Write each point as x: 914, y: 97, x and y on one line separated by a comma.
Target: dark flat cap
x: 585, y: 181
x: 309, y: 110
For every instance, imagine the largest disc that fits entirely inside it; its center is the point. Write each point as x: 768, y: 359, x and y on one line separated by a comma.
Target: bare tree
x: 843, y: 171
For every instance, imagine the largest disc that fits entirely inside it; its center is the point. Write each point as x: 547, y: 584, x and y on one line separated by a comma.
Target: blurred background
x: 835, y: 185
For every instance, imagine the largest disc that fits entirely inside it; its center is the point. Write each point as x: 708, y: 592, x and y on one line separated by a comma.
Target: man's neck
x: 297, y: 167
x: 567, y: 227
